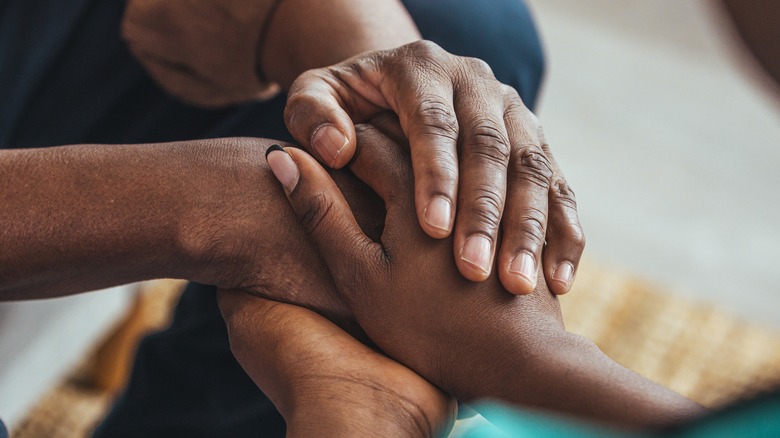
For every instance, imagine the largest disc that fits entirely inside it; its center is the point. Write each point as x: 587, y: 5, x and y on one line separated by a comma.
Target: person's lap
x: 66, y: 77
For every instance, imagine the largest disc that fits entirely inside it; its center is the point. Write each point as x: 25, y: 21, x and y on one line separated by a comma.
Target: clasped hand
x: 481, y: 164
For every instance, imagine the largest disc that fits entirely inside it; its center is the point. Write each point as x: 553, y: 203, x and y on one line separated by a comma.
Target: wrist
x: 228, y: 182
x: 328, y: 33
x: 347, y: 412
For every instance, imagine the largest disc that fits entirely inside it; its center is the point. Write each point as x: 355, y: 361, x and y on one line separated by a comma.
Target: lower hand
x: 404, y: 290
x: 323, y: 381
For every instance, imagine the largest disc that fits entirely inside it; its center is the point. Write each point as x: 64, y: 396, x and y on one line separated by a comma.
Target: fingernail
x: 563, y: 273
x: 476, y: 252
x: 329, y: 141
x: 438, y: 213
x: 523, y: 264
x: 282, y: 166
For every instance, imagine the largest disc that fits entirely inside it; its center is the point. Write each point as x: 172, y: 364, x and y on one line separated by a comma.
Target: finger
x: 325, y: 216
x: 485, y: 152
x: 387, y: 169
x: 422, y: 98
x: 565, y: 238
x: 388, y: 124
x: 320, y: 111
x: 525, y: 216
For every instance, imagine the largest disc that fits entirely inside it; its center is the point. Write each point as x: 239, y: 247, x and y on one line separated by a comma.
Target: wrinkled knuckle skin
x: 564, y: 195
x: 510, y: 93
x: 426, y: 49
x: 486, y: 208
x: 437, y: 118
x: 317, y: 211
x: 533, y: 166
x: 299, y: 106
x: 479, y: 66
x: 532, y: 227
x: 490, y: 143
x: 441, y: 170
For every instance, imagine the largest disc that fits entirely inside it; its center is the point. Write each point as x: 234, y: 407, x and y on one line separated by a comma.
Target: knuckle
x: 486, y: 208
x: 515, y: 107
x: 510, y: 93
x: 437, y: 118
x: 316, y: 214
x: 490, y: 142
x: 533, y: 166
x: 479, y: 66
x: 563, y: 195
x: 442, y: 170
x: 426, y: 49
x: 532, y: 226
x: 299, y: 104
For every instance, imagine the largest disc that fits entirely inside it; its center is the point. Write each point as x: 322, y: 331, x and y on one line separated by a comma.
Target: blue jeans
x: 66, y: 77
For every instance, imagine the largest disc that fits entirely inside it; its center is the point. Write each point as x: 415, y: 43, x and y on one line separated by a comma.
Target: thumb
x: 315, y: 117
x: 323, y: 105
x: 324, y: 215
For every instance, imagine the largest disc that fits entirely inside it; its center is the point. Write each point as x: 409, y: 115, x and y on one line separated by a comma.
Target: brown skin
x: 475, y: 147
x: 85, y: 217
x: 92, y: 216
x: 473, y: 141
x: 471, y: 339
x: 323, y: 381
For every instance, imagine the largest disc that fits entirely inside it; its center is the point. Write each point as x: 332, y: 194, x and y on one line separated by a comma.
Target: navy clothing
x: 3, y: 430
x: 66, y: 77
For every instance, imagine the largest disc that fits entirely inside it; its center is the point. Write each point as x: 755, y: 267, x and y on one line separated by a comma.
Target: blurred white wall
x: 671, y: 145
x: 41, y: 341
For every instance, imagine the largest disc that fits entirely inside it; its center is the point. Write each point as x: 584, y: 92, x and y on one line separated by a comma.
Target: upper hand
x: 475, y: 148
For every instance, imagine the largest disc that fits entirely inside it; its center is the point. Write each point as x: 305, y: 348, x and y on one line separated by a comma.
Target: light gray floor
x: 671, y: 145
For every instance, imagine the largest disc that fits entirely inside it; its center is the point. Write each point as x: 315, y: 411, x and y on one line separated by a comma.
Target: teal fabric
x: 507, y: 422
x: 758, y: 418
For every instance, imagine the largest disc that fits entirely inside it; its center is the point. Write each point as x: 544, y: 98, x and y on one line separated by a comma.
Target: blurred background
x: 670, y: 136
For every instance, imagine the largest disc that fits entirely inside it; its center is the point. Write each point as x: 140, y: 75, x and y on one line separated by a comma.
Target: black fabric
x: 66, y: 77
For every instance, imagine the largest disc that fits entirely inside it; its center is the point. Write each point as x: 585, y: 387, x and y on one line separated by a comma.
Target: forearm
x: 522, y: 354
x: 306, y: 34
x: 571, y: 375
x: 84, y: 217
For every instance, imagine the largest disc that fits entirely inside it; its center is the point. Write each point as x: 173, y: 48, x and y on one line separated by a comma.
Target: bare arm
x: 307, y: 34
x: 83, y: 217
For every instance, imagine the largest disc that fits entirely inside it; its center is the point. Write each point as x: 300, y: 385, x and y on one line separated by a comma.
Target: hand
x: 405, y: 292
x: 323, y: 381
x: 471, y: 339
x: 245, y: 235
x: 475, y: 147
